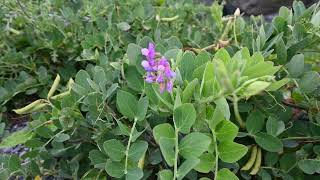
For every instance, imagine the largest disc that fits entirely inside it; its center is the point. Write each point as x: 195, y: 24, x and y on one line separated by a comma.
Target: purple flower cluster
x: 158, y: 69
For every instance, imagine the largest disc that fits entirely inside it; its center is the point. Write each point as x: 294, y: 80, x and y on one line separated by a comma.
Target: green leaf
x: 187, y: 65
x: 271, y: 158
x: 226, y: 131
x: 264, y: 175
x: 255, y: 122
x: 189, y: 90
x: 255, y: 88
x: 14, y: 163
x: 44, y: 131
x: 226, y: 174
x: 62, y: 137
x: 208, y: 79
x: 309, y: 82
x: 134, y: 54
x: 127, y: 104
x: 269, y: 142
x: 207, y: 162
x: 134, y: 174
x: 134, y: 79
x: 231, y: 152
x: 93, y: 174
x: 177, y: 101
x: 143, y: 105
x: 115, y: 149
x: 184, y: 116
x: 288, y: 161
x: 165, y: 174
x: 202, y: 58
x: 216, y: 117
x: 33, y: 143
x: 167, y: 149
x: 265, y: 68
x: 163, y: 130
x: 151, y: 94
x: 165, y: 98
x: 278, y: 84
x: 97, y: 157
x: 223, y: 105
x: 18, y: 137
x: 309, y: 166
x: 222, y: 54
x: 296, y: 66
x: 194, y: 144
x: 316, y: 19
x: 135, y: 57
x: 186, y: 167
x: 137, y: 150
x: 281, y: 52
x: 115, y: 169
x: 274, y: 127
x: 4, y: 174
x: 123, y: 26
x: 81, y: 79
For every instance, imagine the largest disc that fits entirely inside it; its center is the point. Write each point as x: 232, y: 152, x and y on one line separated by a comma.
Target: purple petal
x: 145, y: 52
x: 152, y: 51
x: 163, y: 61
x: 169, y: 73
x: 150, y: 78
x: 160, y: 78
x: 161, y: 68
x: 169, y: 86
x: 145, y: 64
x: 152, y: 62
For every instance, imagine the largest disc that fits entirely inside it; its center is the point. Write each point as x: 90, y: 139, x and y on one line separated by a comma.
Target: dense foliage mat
x: 159, y: 89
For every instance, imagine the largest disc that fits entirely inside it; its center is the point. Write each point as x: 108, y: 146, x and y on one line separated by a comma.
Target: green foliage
x: 240, y: 84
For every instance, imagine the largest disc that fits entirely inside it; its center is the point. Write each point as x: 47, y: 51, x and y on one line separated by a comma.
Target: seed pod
x: 70, y: 84
x: 61, y: 95
x: 34, y: 106
x: 237, y: 12
x: 257, y: 164
x: 54, y: 86
x: 251, y: 160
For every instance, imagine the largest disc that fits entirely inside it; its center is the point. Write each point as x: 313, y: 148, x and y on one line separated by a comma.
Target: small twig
x: 294, y: 105
x: 176, y: 154
x: 302, y: 138
x: 216, y: 155
x: 128, y: 146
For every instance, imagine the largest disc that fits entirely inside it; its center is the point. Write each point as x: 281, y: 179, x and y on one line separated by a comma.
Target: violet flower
x: 158, y: 69
x: 150, y: 53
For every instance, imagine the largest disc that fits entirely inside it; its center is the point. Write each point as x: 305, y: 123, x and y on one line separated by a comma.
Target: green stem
x: 175, y: 167
x: 302, y: 138
x: 236, y: 111
x: 217, y: 155
x: 128, y: 146
x: 169, y: 19
x: 234, y: 31
x: 226, y: 29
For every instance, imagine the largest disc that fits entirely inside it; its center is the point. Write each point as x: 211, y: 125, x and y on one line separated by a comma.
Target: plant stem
x: 236, y: 111
x: 128, y: 146
x: 234, y: 31
x: 170, y: 18
x: 175, y: 167
x: 302, y: 138
x: 217, y: 155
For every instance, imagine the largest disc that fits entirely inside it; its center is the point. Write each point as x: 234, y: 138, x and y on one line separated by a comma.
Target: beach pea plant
x: 165, y: 90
